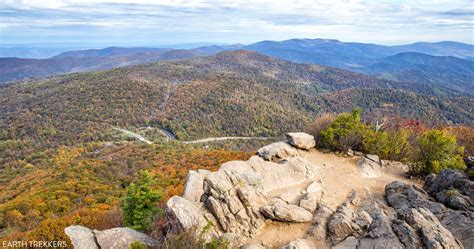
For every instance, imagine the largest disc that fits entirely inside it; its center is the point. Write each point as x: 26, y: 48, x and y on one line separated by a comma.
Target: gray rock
x: 320, y: 222
x: 452, y: 188
x: 380, y: 234
x: 373, y: 158
x: 277, y: 151
x: 184, y: 215
x: 461, y: 225
x: 315, y: 187
x: 81, y: 237
x: 453, y: 199
x: 407, y: 235
x: 350, y: 152
x: 193, y: 187
x: 358, y: 153
x: 369, y: 168
x: 348, y: 221
x: 301, y: 140
x: 286, y: 212
x: 350, y: 242
x: 310, y: 201
x: 400, y: 195
x: 432, y: 233
x: 300, y: 244
x: 122, y: 238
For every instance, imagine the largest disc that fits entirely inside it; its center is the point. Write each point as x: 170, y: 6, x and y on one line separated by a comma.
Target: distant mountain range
x: 230, y: 93
x: 445, y: 71
x: 448, y: 64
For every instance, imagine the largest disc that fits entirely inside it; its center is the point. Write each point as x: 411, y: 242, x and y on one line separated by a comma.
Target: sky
x: 156, y: 22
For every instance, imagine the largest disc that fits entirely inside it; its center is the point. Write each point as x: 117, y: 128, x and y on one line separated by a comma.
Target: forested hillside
x: 445, y: 71
x: 231, y: 93
x: 63, y: 163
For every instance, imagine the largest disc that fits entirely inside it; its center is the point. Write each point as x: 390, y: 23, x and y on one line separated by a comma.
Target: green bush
x: 437, y: 150
x: 140, y: 204
x: 375, y: 142
x: 138, y: 245
x: 391, y: 145
x: 399, y: 147
x: 345, y: 132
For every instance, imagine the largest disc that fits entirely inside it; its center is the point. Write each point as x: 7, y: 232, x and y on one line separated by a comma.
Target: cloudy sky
x: 154, y: 22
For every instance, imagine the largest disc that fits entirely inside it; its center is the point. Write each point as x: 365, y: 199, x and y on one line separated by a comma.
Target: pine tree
x: 140, y: 204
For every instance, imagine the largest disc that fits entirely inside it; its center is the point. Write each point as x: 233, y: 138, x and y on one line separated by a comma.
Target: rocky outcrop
x: 461, y: 225
x: 194, y: 186
x: 115, y: 238
x: 239, y: 196
x: 185, y: 215
x: 432, y: 233
x: 122, y: 238
x: 81, y: 237
x: 278, y: 185
x: 348, y: 220
x: 286, y: 212
x: 301, y: 140
x: 400, y: 196
x: 278, y: 150
x: 380, y: 233
x: 417, y: 224
x: 452, y: 188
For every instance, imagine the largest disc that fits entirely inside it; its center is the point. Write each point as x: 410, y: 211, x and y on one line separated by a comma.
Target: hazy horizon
x: 158, y: 23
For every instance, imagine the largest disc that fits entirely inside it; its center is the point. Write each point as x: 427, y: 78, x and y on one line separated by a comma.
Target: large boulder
x: 461, y: 225
x: 277, y: 151
x: 301, y: 140
x: 81, y: 237
x: 400, y: 195
x: 380, y: 234
x: 370, y: 167
x: 122, y: 238
x: 286, y: 212
x: 194, y: 185
x: 184, y: 215
x: 348, y: 221
x: 432, y: 233
x: 452, y: 188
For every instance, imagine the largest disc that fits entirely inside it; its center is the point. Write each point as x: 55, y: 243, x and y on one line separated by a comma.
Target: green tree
x: 345, y: 132
x: 140, y: 204
x: 437, y: 149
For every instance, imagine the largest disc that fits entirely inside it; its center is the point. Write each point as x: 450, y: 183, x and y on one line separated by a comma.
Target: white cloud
x: 241, y: 21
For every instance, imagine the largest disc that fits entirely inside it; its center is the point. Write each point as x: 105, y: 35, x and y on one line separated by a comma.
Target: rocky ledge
x: 278, y: 185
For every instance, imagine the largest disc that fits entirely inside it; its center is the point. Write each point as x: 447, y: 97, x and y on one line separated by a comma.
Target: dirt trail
x: 339, y: 176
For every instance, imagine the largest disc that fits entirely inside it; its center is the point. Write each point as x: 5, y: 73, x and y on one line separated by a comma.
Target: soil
x: 339, y: 176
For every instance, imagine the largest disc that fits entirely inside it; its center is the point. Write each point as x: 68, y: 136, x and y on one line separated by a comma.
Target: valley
x: 71, y: 144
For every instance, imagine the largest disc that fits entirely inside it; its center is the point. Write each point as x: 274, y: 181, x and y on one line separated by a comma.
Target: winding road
x: 133, y: 134
x: 170, y: 136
